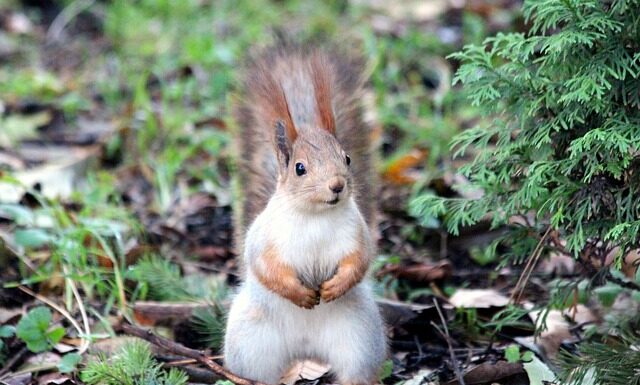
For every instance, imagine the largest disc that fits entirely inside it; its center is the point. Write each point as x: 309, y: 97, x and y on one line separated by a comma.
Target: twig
x: 528, y: 269
x: 189, y: 361
x: 447, y: 337
x: 13, y: 361
x: 181, y: 350
x: 53, y: 305
x: 620, y: 282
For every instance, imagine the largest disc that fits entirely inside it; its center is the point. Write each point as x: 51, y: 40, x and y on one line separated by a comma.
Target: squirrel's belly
x: 316, y: 249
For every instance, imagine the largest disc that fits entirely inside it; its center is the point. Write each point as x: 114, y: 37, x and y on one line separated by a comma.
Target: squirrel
x: 303, y: 227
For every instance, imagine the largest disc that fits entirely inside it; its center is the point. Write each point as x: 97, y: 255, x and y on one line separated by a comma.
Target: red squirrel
x: 303, y: 228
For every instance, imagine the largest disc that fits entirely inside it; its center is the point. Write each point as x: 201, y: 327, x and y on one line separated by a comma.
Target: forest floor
x: 116, y: 188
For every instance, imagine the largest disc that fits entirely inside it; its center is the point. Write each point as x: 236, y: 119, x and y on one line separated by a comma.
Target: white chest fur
x: 312, y: 244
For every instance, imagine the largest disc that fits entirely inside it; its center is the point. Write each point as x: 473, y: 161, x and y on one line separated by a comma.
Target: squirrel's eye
x: 348, y: 160
x: 300, y: 170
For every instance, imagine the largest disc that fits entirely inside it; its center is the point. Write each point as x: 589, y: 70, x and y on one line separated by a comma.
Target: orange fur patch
x: 282, y: 279
x: 351, y: 269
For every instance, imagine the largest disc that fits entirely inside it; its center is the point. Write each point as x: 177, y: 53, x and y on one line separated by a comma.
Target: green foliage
x: 564, y: 130
x: 386, y: 370
x: 209, y: 323
x: 603, y: 363
x: 69, y: 362
x: 34, y: 328
x: 163, y: 279
x: 132, y: 365
x: 81, y: 242
x: 512, y: 354
x: 558, y: 153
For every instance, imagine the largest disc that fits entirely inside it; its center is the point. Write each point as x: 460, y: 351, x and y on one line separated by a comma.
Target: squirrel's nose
x: 337, y: 185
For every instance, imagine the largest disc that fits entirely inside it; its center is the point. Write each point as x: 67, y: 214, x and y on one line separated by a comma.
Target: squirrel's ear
x: 283, y: 144
x: 322, y: 88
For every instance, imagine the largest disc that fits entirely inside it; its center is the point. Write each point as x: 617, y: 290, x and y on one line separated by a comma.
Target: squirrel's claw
x: 333, y: 289
x: 306, y: 298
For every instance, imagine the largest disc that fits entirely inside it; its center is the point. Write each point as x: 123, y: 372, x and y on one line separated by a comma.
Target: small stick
x: 528, y: 269
x: 189, y: 361
x: 13, y: 361
x: 181, y: 350
x: 447, y: 337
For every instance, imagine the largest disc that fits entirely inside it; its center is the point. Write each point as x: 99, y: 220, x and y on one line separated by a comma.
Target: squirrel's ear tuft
x: 322, y: 88
x: 283, y: 144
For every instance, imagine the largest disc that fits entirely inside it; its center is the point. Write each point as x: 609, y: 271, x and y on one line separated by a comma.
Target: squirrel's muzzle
x: 337, y: 184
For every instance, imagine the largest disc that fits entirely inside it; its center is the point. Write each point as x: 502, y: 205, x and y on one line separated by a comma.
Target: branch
x: 181, y: 350
x: 621, y: 282
x: 447, y: 337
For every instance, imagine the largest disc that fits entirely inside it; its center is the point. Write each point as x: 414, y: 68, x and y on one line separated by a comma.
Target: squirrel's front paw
x: 304, y: 297
x: 333, y: 288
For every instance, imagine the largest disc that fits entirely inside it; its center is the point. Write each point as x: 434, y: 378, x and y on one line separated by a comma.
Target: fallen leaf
x: 396, y: 313
x: 558, y: 264
x: 538, y: 372
x: 557, y: 328
x: 489, y: 372
x: 410, y: 10
x: 56, y: 179
x: 423, y: 273
x: 397, y: 171
x: 18, y: 379
x: 8, y: 314
x: 55, y: 379
x: 478, y: 299
x: 40, y: 361
x: 304, y: 370
x: 150, y: 313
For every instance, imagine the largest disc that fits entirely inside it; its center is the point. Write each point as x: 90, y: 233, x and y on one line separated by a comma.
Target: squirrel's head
x: 314, y: 170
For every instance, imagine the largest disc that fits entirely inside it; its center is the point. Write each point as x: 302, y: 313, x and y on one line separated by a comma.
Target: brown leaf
x: 304, y: 370
x: 55, y: 379
x: 488, y: 372
x: 398, y: 171
x: 150, y: 313
x: 396, y: 313
x: 422, y: 272
x: 558, y: 328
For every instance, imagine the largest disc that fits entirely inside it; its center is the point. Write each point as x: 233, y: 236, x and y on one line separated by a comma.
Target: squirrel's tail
x: 326, y: 85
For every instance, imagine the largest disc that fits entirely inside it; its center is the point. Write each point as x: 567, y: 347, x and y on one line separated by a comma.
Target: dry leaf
x: 19, y: 379
x: 488, y: 372
x: 558, y: 328
x: 55, y: 379
x: 398, y: 171
x: 150, y: 313
x: 478, y: 298
x: 422, y: 272
x: 56, y: 179
x: 304, y: 370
